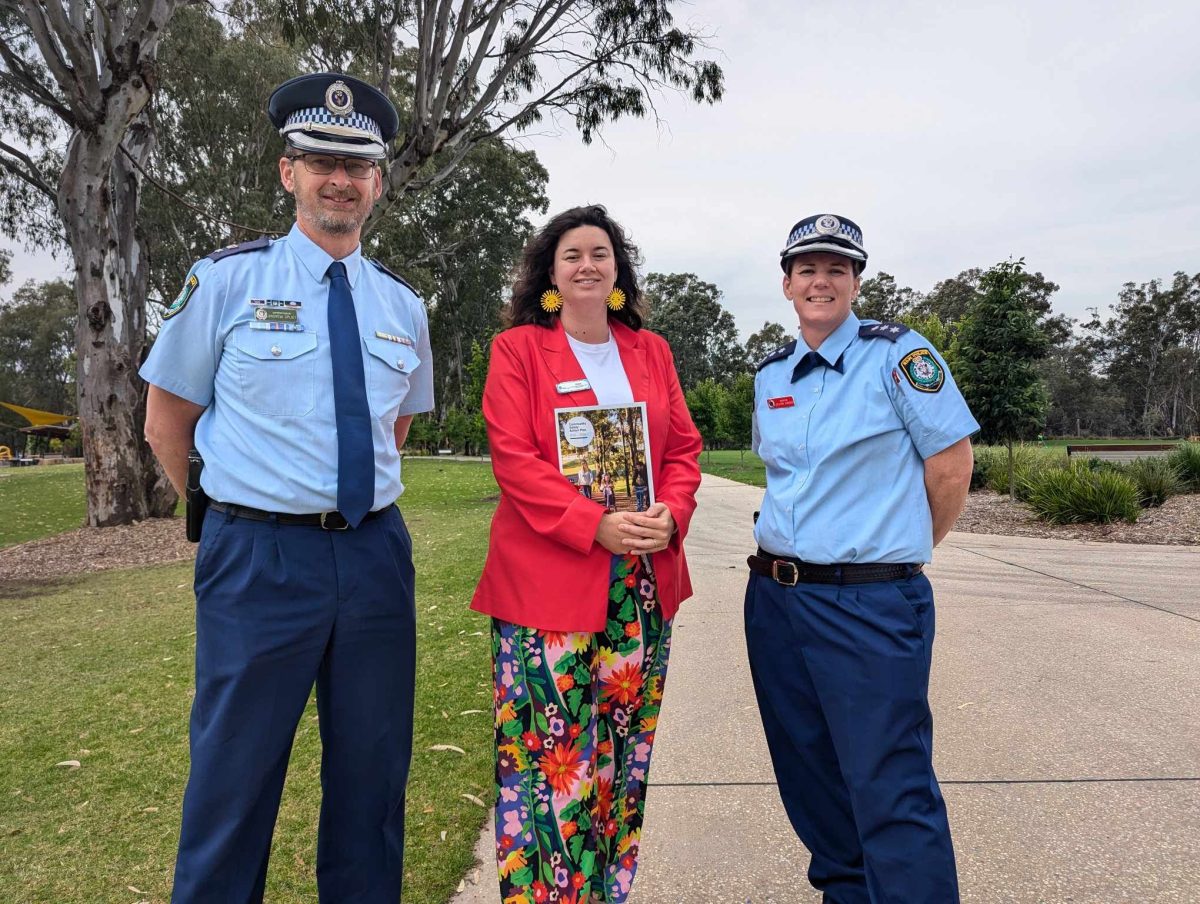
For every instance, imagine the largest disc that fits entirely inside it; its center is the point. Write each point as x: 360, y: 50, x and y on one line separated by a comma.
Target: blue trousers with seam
x: 280, y: 608
x: 841, y: 673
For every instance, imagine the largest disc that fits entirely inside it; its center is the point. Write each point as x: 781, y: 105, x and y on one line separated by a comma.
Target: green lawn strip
x: 744, y: 467
x: 99, y: 670
x: 40, y: 500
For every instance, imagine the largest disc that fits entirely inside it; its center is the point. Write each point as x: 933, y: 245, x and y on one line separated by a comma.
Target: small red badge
x: 782, y: 402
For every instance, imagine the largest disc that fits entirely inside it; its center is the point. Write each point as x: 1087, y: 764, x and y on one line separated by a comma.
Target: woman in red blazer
x: 581, y: 599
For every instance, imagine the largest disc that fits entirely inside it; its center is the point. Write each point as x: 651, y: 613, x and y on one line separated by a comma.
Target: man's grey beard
x: 331, y: 222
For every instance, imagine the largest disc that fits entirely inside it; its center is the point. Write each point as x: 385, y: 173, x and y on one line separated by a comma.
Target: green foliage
x: 37, y: 354
x: 879, y: 298
x: 1186, y: 461
x: 704, y: 402
x: 998, y: 345
x: 760, y: 344
x: 736, y: 415
x: 1156, y: 478
x: 99, y: 669
x: 1078, y: 494
x: 704, y: 340
x: 740, y: 465
x: 1029, y: 461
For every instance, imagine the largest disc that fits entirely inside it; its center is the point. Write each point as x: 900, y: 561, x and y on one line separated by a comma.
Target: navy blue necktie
x: 356, y: 454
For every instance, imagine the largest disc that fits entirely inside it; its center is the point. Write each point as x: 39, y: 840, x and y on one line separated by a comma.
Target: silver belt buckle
x: 775, y: 563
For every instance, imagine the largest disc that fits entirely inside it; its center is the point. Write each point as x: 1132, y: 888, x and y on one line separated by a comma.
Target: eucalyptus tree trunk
x: 97, y: 200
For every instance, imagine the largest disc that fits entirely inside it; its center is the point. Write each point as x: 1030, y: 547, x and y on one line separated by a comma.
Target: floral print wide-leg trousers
x: 575, y: 719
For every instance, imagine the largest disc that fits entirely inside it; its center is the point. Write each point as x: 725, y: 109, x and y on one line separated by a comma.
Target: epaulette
x: 780, y: 354
x: 263, y: 241
x: 400, y: 279
x: 890, y: 331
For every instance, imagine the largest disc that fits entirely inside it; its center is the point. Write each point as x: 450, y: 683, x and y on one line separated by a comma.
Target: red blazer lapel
x: 564, y: 368
x: 633, y: 358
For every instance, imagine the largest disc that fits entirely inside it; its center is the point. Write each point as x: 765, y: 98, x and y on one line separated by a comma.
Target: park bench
x: 1121, y: 452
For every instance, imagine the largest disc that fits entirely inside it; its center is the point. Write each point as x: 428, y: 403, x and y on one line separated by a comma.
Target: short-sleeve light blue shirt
x: 845, y: 446
x: 268, y: 434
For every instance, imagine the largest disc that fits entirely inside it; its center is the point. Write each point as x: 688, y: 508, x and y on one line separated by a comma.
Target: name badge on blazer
x: 573, y: 386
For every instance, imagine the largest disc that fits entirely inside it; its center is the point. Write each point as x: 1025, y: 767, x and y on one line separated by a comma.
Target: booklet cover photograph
x: 605, y: 452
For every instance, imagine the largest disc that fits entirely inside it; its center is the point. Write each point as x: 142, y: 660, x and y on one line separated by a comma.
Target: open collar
x: 316, y: 260
x: 565, y: 367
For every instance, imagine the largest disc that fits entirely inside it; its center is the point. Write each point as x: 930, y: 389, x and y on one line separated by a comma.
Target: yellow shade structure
x: 38, y: 418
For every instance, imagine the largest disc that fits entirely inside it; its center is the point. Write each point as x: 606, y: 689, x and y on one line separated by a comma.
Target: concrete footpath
x: 1066, y: 700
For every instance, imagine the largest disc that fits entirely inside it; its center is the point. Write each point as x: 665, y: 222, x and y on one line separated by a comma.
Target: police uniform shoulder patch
x: 263, y: 241
x: 400, y: 279
x: 922, y: 370
x: 891, y: 331
x: 190, y: 285
x: 780, y: 354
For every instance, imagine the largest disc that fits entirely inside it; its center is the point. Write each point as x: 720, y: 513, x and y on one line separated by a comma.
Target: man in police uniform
x: 866, y: 443
x: 295, y: 367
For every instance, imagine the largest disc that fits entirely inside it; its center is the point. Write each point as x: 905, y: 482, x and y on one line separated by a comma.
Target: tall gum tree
x: 74, y: 129
x: 90, y: 66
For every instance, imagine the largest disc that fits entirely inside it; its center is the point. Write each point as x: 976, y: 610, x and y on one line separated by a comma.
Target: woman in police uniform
x: 865, y: 438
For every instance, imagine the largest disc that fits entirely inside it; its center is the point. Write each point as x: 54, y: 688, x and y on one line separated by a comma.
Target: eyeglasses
x: 321, y: 165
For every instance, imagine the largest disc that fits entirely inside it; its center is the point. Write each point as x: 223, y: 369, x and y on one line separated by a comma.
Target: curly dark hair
x: 537, y: 260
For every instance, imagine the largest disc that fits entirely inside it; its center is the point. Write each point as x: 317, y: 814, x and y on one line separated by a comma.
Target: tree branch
x: 29, y: 173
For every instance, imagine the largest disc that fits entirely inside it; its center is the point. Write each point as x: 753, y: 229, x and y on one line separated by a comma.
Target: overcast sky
x: 956, y: 135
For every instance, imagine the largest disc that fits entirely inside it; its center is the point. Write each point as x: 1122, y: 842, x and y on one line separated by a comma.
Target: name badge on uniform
x: 266, y: 314
x: 572, y: 386
x: 403, y: 340
x: 781, y: 402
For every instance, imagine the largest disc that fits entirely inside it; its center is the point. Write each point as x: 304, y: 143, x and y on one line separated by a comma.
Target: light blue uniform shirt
x: 845, y: 451
x: 268, y: 434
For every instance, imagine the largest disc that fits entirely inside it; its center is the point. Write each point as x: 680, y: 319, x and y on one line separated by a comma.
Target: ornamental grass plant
x: 1186, y: 461
x: 991, y: 467
x: 1157, y: 480
x: 1077, y: 493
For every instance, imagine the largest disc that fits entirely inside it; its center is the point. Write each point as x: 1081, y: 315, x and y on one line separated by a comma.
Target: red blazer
x: 544, y: 568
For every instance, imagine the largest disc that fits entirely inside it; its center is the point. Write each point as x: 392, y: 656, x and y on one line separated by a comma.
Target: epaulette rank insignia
x: 400, y: 279
x: 890, y: 331
x: 263, y: 241
x: 780, y: 354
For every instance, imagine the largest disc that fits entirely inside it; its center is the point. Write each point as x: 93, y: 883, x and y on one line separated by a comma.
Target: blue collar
x: 316, y: 260
x: 832, y: 351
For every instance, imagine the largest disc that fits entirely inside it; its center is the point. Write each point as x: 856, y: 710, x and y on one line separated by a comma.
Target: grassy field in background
x: 99, y: 670
x: 744, y: 467
x: 39, y: 501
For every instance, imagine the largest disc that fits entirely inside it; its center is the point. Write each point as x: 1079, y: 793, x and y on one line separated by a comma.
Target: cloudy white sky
x: 956, y: 135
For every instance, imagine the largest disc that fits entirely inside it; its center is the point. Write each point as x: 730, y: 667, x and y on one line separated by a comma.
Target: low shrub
x: 1157, y: 479
x: 1186, y: 461
x: 1077, y: 493
x: 991, y: 463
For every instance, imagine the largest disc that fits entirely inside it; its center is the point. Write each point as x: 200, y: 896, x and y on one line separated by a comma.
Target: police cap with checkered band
x: 331, y: 113
x: 828, y: 233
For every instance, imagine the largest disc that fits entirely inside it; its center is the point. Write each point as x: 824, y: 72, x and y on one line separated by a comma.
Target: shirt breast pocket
x: 277, y: 371
x: 391, y: 367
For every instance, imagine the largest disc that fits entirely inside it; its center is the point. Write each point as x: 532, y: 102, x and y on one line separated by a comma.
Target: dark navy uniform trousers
x: 279, y: 608
x: 841, y: 673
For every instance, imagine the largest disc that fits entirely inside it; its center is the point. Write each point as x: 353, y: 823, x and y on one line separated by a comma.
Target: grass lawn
x: 99, y: 670
x: 744, y: 467
x: 39, y: 501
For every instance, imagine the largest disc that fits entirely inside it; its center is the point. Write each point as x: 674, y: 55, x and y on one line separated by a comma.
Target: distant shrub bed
x: 1078, y: 493
x: 1186, y: 461
x: 1062, y: 491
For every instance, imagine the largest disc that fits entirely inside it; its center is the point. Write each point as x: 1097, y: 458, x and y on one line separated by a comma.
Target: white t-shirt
x: 601, y: 363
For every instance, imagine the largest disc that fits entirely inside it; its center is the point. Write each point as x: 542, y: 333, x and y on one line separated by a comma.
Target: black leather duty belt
x: 790, y: 572
x: 325, y: 520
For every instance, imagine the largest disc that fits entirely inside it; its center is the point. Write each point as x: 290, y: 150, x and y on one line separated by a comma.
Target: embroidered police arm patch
x: 922, y: 370
x: 189, y: 287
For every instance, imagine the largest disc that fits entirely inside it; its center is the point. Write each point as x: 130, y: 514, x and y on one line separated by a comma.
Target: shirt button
x: 276, y: 351
x: 399, y: 362
x: 818, y: 389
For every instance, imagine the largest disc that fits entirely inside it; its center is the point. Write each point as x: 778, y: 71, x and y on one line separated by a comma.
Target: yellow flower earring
x: 552, y: 301
x: 615, y: 300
